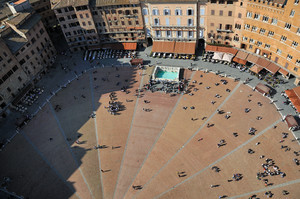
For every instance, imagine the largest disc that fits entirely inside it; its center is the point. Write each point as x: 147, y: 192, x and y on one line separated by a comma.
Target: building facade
x: 90, y: 24
x: 171, y: 20
x: 27, y: 51
x: 272, y: 30
x: 223, y: 21
x: 43, y: 7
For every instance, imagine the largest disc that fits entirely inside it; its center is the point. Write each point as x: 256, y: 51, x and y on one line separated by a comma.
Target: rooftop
x: 66, y: 3
x: 14, y: 41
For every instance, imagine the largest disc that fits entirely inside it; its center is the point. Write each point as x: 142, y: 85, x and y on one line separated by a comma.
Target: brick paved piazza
x: 158, y: 154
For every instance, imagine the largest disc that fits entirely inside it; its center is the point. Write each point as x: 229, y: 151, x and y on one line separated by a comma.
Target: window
x: 270, y: 34
x: 267, y: 46
x: 254, y: 29
x: 202, y: 11
x: 256, y: 16
x: 274, y: 21
x: 221, y: 1
x: 190, y: 12
x: 221, y: 13
x: 167, y: 12
x: 229, y: 13
x: 61, y: 19
x: 229, y: 2
x: 178, y: 11
x: 8, y: 89
x: 156, y: 22
x: 202, y: 21
x: 136, y: 22
x: 81, y: 16
x: 190, y: 22
x: 83, y: 23
x: 247, y: 26
x: 238, y: 26
x: 167, y: 21
x: 33, y: 40
x: 265, y: 19
x: 8, y: 61
x: 15, y: 68
x: 262, y: 31
x: 178, y: 21
x: 292, y: 13
x: 158, y: 33
x: 19, y: 78
x: 145, y: 11
x: 251, y: 40
x: 168, y: 33
x: 240, y: 15
x: 90, y: 23
x: 129, y: 23
x: 179, y: 34
x: 212, y: 24
x: 58, y: 10
x: 235, y: 38
x: 245, y: 38
x: 212, y: 12
x: 278, y: 51
x: 298, y: 62
x: 294, y: 44
x: 289, y: 57
x: 42, y: 31
x: 135, y: 11
x: 146, y: 21
x: 295, y: 69
x: 191, y: 34
x: 296, y: 2
x: 283, y: 38
x: 155, y: 12
x: 213, y: 1
x: 258, y: 43
x: 249, y: 15
x: 287, y: 26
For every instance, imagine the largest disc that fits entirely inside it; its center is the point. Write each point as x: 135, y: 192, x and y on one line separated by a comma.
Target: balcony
x: 224, y: 30
x: 175, y: 27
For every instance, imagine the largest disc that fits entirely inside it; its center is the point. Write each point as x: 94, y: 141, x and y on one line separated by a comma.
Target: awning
x: 185, y: 48
x: 293, y: 95
x: 240, y: 61
x: 227, y: 57
x: 273, y: 68
x: 241, y: 55
x: 252, y: 58
x: 21, y: 94
x: 96, y: 47
x: 283, y: 72
x: 256, y: 69
x: 129, y: 46
x: 263, y: 62
x: 218, y: 55
x: 229, y: 50
x: 120, y: 46
x: 262, y: 88
x: 291, y: 121
x: 211, y: 48
x: 163, y: 46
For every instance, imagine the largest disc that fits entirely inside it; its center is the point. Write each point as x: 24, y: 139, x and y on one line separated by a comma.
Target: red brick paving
x: 194, y: 157
x: 180, y: 127
x: 113, y: 132
x: 39, y: 130
x: 145, y: 129
x: 31, y: 176
x: 246, y: 164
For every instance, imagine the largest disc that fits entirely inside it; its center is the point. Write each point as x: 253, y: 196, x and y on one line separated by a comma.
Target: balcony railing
x: 164, y: 26
x: 224, y: 30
